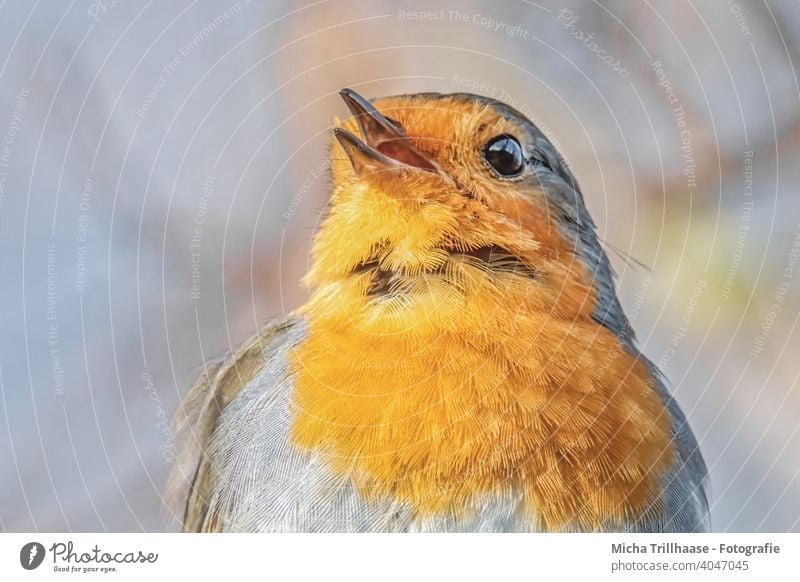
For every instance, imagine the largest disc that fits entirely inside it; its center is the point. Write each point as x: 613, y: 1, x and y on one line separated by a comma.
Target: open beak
x: 384, y: 146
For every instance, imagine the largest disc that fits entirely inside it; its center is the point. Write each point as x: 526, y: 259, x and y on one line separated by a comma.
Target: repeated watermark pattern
x: 6, y: 147
x: 785, y: 285
x: 195, y: 244
x: 98, y: 9
x: 468, y: 18
x: 569, y: 20
x: 682, y: 328
x: 313, y: 177
x: 170, y: 68
x: 81, y: 236
x: 53, y: 336
x: 163, y: 425
x: 739, y: 16
x: 743, y: 228
x: 684, y: 132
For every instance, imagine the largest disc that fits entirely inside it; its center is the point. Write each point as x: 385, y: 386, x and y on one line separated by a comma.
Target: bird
x: 462, y: 362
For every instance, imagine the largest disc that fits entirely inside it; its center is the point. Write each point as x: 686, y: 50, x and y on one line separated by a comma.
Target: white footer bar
x: 334, y: 557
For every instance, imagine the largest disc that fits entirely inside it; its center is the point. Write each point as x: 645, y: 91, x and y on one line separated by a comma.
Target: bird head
x: 444, y: 200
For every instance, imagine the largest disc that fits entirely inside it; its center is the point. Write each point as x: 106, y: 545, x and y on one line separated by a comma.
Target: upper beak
x: 386, y: 144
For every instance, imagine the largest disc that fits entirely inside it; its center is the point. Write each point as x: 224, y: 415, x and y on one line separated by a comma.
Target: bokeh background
x: 163, y: 168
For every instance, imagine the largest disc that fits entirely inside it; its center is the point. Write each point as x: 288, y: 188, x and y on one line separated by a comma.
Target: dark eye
x: 505, y: 155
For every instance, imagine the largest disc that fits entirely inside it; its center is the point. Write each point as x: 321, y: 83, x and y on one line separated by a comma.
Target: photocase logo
x: 31, y: 555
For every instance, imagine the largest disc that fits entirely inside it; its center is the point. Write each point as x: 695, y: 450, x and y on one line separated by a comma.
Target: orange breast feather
x: 443, y: 399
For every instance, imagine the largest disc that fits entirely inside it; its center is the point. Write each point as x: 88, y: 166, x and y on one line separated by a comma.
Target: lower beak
x: 384, y: 146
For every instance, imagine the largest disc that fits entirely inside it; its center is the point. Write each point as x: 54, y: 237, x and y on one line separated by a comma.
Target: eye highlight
x: 504, y: 154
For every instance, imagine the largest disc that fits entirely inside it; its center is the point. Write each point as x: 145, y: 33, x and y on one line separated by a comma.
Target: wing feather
x: 192, y: 481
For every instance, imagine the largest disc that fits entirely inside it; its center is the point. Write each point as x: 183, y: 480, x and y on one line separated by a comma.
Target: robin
x: 462, y: 363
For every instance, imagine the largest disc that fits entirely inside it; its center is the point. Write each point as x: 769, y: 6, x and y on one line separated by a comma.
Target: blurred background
x: 163, y: 169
